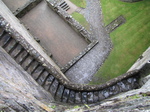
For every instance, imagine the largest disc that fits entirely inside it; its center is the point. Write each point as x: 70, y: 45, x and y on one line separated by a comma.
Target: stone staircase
x: 63, y: 92
x: 64, y: 5
x: 50, y: 83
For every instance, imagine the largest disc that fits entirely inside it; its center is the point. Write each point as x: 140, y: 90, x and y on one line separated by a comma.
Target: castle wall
x: 24, y: 37
x: 143, y: 59
x: 60, y: 87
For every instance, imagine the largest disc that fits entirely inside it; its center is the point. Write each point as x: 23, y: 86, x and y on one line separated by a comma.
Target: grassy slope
x: 80, y: 18
x: 130, y: 40
x: 79, y: 3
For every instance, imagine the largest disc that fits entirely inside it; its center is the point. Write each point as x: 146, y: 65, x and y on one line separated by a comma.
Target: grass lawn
x: 79, y: 3
x: 129, y: 40
x: 80, y: 18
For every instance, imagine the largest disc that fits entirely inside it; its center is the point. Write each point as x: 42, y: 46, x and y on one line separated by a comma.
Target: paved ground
x: 83, y: 70
x: 55, y: 35
x: 13, y: 7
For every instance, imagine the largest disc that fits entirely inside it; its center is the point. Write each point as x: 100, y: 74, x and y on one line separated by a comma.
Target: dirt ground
x: 55, y: 35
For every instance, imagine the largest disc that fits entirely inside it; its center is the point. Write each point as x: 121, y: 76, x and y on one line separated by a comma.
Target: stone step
x: 90, y: 97
x: 10, y: 45
x: 84, y: 97
x: 66, y: 8
x: 37, y: 72
x: 96, y: 97
x: 27, y: 62
x: 78, y: 97
x: 5, y: 38
x: 42, y: 78
x: 1, y: 32
x: 32, y: 67
x: 101, y: 95
x: 64, y: 5
x: 49, y: 80
x: 24, y: 58
x: 21, y: 56
x: 16, y: 50
x: 59, y: 93
x: 72, y: 97
x: 65, y: 96
x: 63, y: 2
x: 53, y: 88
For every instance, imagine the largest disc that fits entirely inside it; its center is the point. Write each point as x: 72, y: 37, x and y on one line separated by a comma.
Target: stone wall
x: 64, y: 90
x: 59, y: 86
x: 143, y: 59
x: 115, y: 24
x: 132, y: 101
x: 18, y: 91
x: 55, y: 5
x: 130, y: 0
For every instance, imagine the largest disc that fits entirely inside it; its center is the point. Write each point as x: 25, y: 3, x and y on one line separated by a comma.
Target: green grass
x: 79, y: 3
x: 129, y: 40
x: 80, y: 18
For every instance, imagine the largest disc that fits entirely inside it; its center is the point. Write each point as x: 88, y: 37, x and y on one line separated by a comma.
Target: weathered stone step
x: 21, y: 56
x: 1, y: 32
x: 96, y: 97
x: 10, y: 45
x: 64, y: 6
x: 90, y: 97
x: 72, y: 97
x: 32, y: 67
x: 42, y: 78
x: 67, y: 8
x: 15, y: 50
x: 27, y: 62
x: 84, y: 97
x: 65, y: 96
x: 37, y: 72
x: 52, y: 85
x: 5, y: 38
x: 49, y: 80
x: 78, y: 97
x: 59, y: 93
x: 63, y: 2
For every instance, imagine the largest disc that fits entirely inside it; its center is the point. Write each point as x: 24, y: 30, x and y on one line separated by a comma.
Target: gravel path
x: 82, y: 72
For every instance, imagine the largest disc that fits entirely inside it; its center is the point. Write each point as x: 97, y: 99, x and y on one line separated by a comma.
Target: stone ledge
x: 115, y: 24
x: 131, y: 0
x: 73, y: 61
